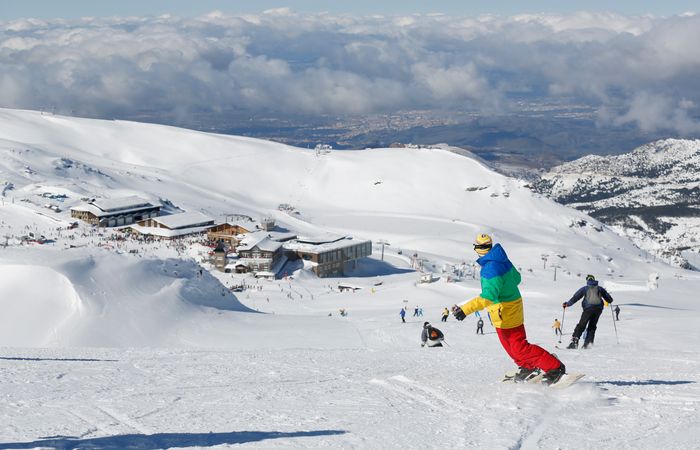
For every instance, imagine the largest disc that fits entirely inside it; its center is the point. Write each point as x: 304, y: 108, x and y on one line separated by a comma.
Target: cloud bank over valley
x: 630, y: 71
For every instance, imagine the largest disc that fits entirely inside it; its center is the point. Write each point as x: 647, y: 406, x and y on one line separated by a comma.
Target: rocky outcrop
x: 651, y: 195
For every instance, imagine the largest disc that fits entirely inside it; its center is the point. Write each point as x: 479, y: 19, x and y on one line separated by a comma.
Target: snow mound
x: 106, y: 300
x: 37, y: 303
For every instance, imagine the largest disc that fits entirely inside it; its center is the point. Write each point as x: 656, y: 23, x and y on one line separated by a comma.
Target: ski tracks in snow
x: 424, y: 395
x: 539, y: 411
x: 542, y: 421
x: 438, y: 409
x: 105, y: 420
x: 530, y: 418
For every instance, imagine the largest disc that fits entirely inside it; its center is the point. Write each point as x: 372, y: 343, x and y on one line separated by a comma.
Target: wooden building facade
x: 229, y: 232
x: 329, y: 256
x: 260, y: 256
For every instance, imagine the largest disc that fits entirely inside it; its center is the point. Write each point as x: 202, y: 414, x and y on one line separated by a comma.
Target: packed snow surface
x: 108, y: 342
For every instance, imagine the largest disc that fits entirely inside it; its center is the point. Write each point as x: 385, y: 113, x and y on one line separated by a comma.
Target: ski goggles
x: 482, y: 246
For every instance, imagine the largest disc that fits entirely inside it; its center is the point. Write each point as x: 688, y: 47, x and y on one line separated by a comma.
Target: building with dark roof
x: 115, y: 212
x: 258, y: 253
x: 174, y: 225
x: 329, y: 255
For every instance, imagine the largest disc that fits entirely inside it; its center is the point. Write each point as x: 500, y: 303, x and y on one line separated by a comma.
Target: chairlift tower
x: 383, y: 243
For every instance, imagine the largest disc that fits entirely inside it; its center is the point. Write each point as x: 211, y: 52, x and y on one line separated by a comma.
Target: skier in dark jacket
x: 431, y: 336
x: 593, y: 296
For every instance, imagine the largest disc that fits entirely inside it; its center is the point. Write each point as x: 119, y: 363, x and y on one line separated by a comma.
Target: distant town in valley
x: 536, y: 136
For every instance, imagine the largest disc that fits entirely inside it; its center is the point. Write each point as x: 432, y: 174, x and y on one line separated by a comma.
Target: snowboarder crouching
x: 431, y: 336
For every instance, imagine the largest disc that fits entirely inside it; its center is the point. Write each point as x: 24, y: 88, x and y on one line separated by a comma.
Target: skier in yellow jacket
x: 501, y: 297
x: 557, y: 327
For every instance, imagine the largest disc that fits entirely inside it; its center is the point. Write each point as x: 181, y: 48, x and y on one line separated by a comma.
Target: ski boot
x: 573, y: 344
x: 554, y: 375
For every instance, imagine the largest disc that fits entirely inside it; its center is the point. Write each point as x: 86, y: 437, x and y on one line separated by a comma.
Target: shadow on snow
x: 370, y: 267
x: 164, y: 440
x: 19, y: 358
x: 647, y: 382
x: 652, y: 306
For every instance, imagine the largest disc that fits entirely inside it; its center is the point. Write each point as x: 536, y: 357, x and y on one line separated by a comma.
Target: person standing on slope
x: 480, y: 326
x: 431, y: 336
x: 445, y: 315
x: 402, y: 313
x: 593, y: 296
x: 557, y: 327
x: 501, y: 296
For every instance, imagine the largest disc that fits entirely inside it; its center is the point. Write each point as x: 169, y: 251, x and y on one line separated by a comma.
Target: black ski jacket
x: 582, y: 294
x: 427, y: 335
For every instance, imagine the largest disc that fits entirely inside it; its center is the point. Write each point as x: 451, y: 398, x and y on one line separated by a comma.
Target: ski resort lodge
x: 258, y: 253
x: 115, y: 212
x: 230, y: 232
x: 328, y: 255
x: 244, y: 246
x: 265, y: 254
x: 174, y: 225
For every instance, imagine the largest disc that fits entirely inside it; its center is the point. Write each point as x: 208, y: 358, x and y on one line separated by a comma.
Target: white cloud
x: 650, y: 112
x: 287, y: 63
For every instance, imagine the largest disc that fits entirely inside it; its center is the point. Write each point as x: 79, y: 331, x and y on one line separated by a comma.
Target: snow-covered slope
x: 651, y: 194
x: 429, y: 202
x: 393, y: 194
x: 108, y: 342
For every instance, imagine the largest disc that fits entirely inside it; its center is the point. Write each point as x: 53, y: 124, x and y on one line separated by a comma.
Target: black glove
x: 564, y: 305
x: 458, y: 313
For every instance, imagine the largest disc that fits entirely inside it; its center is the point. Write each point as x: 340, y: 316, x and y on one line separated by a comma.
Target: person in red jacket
x: 501, y: 296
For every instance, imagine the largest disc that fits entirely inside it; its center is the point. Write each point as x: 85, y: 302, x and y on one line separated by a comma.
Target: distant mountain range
x: 651, y: 195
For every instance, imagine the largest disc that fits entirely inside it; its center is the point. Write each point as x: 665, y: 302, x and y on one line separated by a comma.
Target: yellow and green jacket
x: 499, y: 290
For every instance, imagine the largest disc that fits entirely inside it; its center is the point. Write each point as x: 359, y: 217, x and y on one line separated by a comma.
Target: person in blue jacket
x: 593, y: 296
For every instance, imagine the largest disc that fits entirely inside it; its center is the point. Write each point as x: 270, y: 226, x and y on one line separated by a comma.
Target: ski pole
x: 614, y: 324
x: 445, y: 342
x: 561, y: 329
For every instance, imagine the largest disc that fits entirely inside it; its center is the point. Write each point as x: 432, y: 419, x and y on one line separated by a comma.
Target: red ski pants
x: 530, y: 356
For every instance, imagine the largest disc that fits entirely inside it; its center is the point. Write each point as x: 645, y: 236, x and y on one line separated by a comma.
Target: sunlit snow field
x: 102, y: 348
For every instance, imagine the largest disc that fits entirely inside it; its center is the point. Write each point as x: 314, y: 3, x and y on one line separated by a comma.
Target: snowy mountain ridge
x: 651, y: 195
x: 427, y: 202
x: 111, y: 341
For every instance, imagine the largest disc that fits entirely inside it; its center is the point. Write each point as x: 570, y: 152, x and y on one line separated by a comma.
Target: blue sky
x: 70, y: 9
